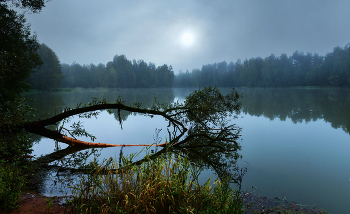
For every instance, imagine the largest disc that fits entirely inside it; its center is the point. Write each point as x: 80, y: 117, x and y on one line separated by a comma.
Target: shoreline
x: 252, y: 204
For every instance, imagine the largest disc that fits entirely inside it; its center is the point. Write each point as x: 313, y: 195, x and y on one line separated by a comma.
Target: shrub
x: 13, y: 180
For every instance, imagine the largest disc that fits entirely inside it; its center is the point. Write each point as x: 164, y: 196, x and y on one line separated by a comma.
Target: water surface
x: 295, y: 142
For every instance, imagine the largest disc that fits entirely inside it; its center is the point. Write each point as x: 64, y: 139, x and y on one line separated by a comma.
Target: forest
x: 299, y: 69
x: 119, y: 73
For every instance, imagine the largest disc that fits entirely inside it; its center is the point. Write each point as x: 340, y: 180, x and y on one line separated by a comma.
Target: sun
x: 187, y: 38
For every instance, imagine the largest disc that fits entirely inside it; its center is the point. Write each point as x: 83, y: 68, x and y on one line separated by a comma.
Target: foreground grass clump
x: 166, y: 184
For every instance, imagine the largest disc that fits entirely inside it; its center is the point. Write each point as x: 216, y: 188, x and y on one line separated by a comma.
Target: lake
x: 295, y: 142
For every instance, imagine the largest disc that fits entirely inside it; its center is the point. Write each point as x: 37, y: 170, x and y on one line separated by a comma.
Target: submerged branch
x: 40, y: 130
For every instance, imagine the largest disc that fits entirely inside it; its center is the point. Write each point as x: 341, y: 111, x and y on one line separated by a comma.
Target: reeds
x: 166, y: 184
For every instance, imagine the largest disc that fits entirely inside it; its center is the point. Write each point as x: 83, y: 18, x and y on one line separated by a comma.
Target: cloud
x: 90, y: 31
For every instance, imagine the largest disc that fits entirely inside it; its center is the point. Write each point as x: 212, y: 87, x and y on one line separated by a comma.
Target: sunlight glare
x: 187, y: 38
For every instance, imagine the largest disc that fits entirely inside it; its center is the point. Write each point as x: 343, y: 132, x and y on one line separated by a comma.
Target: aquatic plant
x: 165, y: 184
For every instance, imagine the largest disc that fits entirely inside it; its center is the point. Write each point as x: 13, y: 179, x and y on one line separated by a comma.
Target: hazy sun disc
x: 187, y: 38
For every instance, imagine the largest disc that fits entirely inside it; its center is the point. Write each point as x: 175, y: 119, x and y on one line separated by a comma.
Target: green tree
x: 142, y: 74
x: 301, y: 64
x: 153, y: 76
x: 165, y: 76
x: 285, y: 65
x: 124, y: 68
x: 68, y: 76
x: 245, y: 73
x: 196, y: 76
x: 253, y: 71
x: 93, y: 78
x: 208, y: 76
x: 347, y: 64
x: 337, y: 66
x: 315, y: 76
x: 230, y: 79
x: 222, y: 72
x: 102, y: 78
x: 49, y: 75
x: 237, y: 73
x: 112, y: 77
x: 18, y: 56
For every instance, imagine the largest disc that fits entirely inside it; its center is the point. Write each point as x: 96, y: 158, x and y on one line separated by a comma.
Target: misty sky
x: 93, y: 31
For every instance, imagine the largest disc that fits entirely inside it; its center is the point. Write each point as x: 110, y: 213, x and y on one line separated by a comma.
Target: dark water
x: 295, y: 142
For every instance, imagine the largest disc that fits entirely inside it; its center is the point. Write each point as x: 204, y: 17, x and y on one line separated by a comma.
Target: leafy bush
x: 15, y: 144
x: 13, y: 180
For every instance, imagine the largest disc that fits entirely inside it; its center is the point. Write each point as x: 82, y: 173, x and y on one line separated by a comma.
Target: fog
x: 86, y: 31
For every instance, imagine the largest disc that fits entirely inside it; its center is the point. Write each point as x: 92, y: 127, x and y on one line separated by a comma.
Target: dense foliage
x: 18, y: 58
x: 284, y: 71
x: 49, y: 75
x: 18, y: 55
x: 119, y: 73
x: 14, y: 176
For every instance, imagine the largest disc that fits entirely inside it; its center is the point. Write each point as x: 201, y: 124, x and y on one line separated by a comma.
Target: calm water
x: 295, y: 142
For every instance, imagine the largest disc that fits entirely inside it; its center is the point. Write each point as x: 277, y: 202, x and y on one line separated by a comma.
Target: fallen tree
x: 198, y: 128
x: 205, y: 112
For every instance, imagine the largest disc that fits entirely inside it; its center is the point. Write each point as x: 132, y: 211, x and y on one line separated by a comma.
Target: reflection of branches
x: 38, y: 127
x: 204, y: 107
x: 45, y: 160
x: 224, y: 135
x: 206, y: 112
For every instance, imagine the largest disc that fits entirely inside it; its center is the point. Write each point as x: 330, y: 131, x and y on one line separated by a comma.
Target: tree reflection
x: 45, y: 104
x: 331, y: 105
x: 209, y: 140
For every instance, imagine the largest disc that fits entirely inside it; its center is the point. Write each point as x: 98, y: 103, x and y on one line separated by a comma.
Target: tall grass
x: 166, y: 184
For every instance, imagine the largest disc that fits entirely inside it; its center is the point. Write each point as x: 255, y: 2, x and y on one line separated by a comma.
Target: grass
x: 166, y: 184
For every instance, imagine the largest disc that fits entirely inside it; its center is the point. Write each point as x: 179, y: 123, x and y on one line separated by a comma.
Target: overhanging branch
x: 38, y: 127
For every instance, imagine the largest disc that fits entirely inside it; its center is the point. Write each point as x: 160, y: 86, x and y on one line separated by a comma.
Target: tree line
x: 299, y: 69
x: 119, y: 73
x: 49, y: 74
